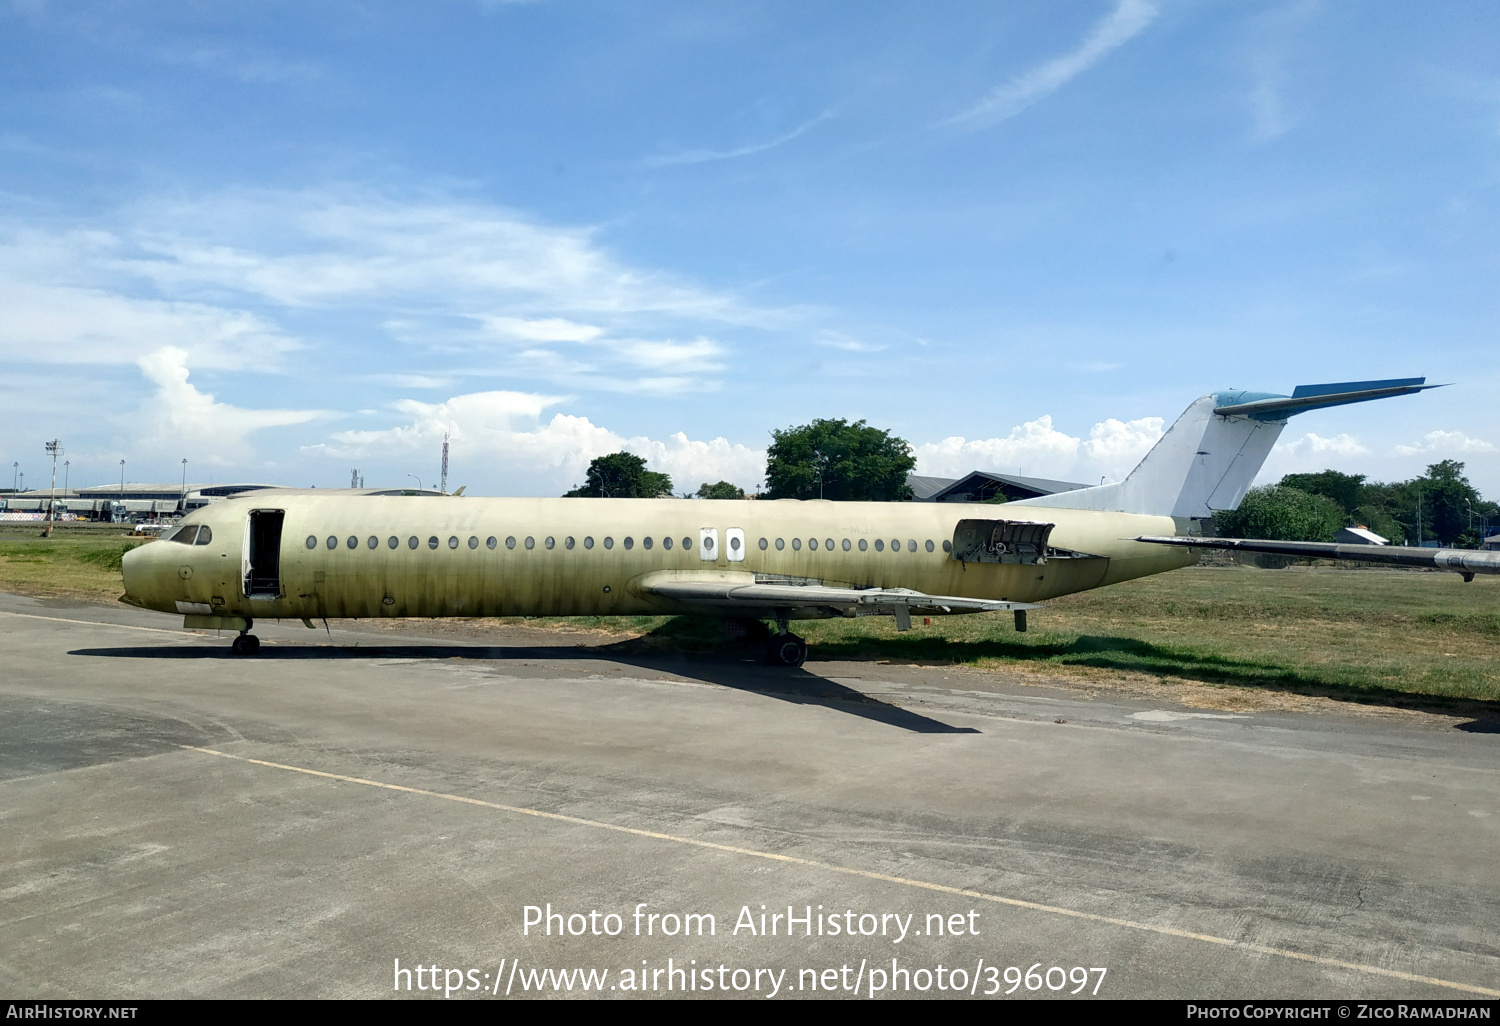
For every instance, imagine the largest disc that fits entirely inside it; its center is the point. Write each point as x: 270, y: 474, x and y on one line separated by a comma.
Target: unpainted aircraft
x: 306, y: 555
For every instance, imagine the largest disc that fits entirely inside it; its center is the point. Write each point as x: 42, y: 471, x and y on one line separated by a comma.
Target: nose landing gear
x: 246, y: 643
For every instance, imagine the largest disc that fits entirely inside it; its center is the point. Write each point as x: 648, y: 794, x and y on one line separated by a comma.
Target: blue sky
x: 286, y: 240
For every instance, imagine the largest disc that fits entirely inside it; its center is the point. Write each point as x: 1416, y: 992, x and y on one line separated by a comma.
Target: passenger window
x: 568, y: 542
x: 333, y: 542
x: 550, y: 542
x: 762, y: 544
x: 895, y: 544
x: 609, y: 543
x: 929, y: 544
x: 588, y: 542
x: 473, y: 542
x: 352, y: 542
x: 393, y: 542
x: 629, y: 542
x: 780, y: 544
x: 666, y: 543
x: 947, y: 545
x: 412, y: 542
x: 312, y: 541
x: 812, y: 543
x: 846, y: 544
x: 796, y: 544
x: 863, y: 545
x: 911, y: 545
x: 373, y: 542
x: 205, y: 535
x: 510, y: 542
x: 432, y: 542
x: 530, y: 542
x: 828, y: 543
x: 490, y: 542
x: 687, y: 543
x: 879, y: 545
x: 645, y: 543
x: 453, y: 541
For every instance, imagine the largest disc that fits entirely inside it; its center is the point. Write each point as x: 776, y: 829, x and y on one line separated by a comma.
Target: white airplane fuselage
x: 443, y: 556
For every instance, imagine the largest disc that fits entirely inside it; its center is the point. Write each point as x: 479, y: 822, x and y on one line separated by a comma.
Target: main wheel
x: 786, y: 650
x: 245, y: 644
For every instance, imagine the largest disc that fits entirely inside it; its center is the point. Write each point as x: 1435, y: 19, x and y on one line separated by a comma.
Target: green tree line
x: 1440, y: 506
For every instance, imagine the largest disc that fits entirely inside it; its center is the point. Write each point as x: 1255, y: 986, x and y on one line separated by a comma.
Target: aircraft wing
x: 741, y: 593
x: 1461, y: 561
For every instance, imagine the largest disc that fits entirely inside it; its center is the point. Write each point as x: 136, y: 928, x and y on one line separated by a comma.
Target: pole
x: 184, y: 485
x: 55, y: 448
x: 417, y: 479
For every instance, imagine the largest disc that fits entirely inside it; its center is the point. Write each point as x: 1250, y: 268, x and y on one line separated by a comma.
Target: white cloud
x: 848, y: 343
x: 192, y: 423
x: 1036, y: 446
x: 1122, y: 24
x: 64, y: 324
x: 1444, y: 443
x: 1037, y: 449
x: 505, y: 432
x: 702, y: 156
x: 1114, y: 447
x: 1312, y: 444
x: 546, y: 329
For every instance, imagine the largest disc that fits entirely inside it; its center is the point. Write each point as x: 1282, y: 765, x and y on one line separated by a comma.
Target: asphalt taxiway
x: 178, y: 821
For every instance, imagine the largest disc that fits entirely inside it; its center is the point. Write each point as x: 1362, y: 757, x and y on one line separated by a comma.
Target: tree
x: 833, y: 459
x: 721, y: 490
x: 621, y: 475
x: 1282, y: 513
x: 1345, y: 489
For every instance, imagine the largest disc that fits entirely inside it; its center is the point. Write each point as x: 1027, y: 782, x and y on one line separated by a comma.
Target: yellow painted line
x: 96, y: 623
x: 1131, y: 924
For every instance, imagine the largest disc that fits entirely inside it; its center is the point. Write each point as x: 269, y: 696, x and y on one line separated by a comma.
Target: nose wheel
x: 786, y: 650
x: 245, y: 644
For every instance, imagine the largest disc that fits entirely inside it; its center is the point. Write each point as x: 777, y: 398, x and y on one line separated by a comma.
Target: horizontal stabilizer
x: 1317, y: 397
x: 1462, y: 561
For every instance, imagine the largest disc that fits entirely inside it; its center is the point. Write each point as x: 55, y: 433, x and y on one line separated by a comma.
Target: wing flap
x: 740, y: 592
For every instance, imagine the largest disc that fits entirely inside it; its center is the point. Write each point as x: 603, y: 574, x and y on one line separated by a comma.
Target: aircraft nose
x: 135, y: 568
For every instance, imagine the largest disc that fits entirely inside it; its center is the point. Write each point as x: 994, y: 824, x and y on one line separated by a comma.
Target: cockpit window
x: 204, y: 535
x: 184, y: 534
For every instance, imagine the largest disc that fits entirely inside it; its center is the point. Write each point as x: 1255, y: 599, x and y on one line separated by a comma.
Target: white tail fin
x: 1207, y: 460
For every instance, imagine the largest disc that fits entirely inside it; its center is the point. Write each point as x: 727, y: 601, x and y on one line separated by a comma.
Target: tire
x: 786, y: 650
x: 245, y: 644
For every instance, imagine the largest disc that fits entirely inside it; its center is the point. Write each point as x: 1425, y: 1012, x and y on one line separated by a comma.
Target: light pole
x: 122, y: 490
x: 55, y: 448
x: 66, y: 465
x: 417, y: 479
x: 184, y: 485
x: 14, y: 469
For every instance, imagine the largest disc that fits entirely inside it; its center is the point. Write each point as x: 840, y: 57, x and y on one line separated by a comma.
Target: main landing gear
x: 246, y: 643
x: 785, y: 648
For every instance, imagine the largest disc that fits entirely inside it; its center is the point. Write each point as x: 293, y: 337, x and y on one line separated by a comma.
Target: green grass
x: 79, y: 561
x: 1388, y: 637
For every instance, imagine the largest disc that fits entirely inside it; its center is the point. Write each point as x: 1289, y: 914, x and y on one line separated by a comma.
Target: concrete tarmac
x: 177, y: 821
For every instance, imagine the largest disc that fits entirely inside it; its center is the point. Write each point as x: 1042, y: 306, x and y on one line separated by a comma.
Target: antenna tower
x: 354, y: 479
x: 443, y: 484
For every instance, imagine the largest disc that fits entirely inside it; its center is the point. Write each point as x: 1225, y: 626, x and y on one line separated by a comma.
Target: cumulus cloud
x: 1112, y: 31
x: 193, y: 422
x: 505, y: 432
x: 1443, y: 443
x: 1312, y: 444
x: 1038, y: 449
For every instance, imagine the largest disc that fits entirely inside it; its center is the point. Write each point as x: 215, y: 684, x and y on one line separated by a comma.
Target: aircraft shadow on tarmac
x: 732, y: 669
